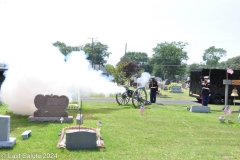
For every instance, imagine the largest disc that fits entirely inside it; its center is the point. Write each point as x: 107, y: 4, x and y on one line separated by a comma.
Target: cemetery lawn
x: 165, y: 94
x: 162, y: 132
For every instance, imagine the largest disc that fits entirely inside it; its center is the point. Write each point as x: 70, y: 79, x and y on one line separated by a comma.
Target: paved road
x: 158, y: 101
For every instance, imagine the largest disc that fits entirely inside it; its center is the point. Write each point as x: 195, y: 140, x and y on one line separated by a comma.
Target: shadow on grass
x: 164, y: 96
x: 159, y: 103
x: 82, y: 150
x: 216, y: 110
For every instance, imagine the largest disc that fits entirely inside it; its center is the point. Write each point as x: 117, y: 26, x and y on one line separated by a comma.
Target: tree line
x: 169, y: 60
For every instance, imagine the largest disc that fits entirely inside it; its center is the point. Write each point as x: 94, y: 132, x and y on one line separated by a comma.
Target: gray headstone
x: 8, y: 144
x: 79, y: 119
x: 5, y: 140
x: 83, y: 139
x: 51, y: 106
x: 5, y: 128
x: 176, y: 89
x: 200, y: 109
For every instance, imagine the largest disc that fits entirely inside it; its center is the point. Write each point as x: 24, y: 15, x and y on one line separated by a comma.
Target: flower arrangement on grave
x: 221, y: 119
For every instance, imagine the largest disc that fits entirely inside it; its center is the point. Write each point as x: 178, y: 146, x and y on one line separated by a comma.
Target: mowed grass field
x: 161, y: 132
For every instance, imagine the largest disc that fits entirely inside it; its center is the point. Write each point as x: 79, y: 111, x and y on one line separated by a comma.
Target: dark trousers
x: 205, y: 99
x: 153, y: 97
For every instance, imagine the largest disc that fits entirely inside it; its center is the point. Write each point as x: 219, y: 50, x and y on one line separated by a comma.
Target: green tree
x: 232, y: 63
x: 140, y: 57
x: 169, y: 59
x: 64, y: 49
x: 97, y: 52
x: 212, y: 56
x: 131, y: 68
x: 195, y: 66
x: 109, y: 68
x: 118, y: 74
x: 223, y: 65
x: 135, y: 56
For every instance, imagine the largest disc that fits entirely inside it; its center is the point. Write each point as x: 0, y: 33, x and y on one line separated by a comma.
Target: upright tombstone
x: 81, y: 139
x: 50, y: 108
x: 79, y: 119
x: 176, y: 89
x: 200, y: 109
x: 5, y: 140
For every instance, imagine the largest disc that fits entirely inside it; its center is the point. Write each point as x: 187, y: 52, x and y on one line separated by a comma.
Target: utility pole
x: 126, y: 48
x: 92, y: 54
x: 92, y: 51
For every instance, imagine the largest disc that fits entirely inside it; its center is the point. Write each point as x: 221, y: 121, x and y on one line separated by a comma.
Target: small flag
x: 227, y: 110
x: 230, y: 71
x: 142, y: 109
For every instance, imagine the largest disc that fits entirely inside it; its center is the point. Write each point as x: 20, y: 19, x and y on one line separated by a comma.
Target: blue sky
x: 139, y: 23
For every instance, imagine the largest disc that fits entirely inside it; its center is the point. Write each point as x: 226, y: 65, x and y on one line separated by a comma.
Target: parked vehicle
x: 217, y: 91
x: 3, y: 68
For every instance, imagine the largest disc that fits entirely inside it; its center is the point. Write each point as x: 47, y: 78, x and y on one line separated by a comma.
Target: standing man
x: 205, y: 91
x: 153, y: 85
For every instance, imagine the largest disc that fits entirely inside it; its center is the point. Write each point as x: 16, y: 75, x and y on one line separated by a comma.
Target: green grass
x: 165, y: 95
x: 162, y: 132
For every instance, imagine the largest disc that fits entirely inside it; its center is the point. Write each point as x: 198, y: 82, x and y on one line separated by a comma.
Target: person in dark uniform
x: 205, y: 91
x: 153, y: 85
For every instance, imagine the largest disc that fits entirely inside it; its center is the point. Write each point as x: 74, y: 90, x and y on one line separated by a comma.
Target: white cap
x: 152, y: 76
x: 206, y: 77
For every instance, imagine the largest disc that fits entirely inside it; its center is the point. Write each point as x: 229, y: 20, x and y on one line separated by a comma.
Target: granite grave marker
x: 50, y: 108
x: 81, y: 139
x: 176, y: 89
x: 5, y: 139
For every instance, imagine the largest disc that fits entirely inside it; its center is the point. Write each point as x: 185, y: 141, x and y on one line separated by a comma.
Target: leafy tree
x: 232, y: 63
x: 118, y: 74
x: 235, y: 63
x: 195, y: 66
x: 131, y: 68
x: 109, y: 68
x: 212, y: 55
x: 223, y: 65
x: 100, y: 52
x: 140, y: 57
x: 135, y: 56
x: 64, y: 49
x: 168, y: 59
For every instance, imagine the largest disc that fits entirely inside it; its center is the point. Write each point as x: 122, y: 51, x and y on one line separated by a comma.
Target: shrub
x: 172, y: 84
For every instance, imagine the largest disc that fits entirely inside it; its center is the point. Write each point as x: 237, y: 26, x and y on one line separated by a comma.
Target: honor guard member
x: 153, y: 86
x: 205, y: 90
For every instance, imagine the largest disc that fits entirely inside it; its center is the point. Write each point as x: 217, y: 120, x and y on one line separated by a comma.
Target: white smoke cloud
x: 39, y: 68
x: 143, y: 79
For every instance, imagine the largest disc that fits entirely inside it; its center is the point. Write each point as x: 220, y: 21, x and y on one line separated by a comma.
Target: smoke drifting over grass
x: 143, y: 79
x: 40, y: 69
